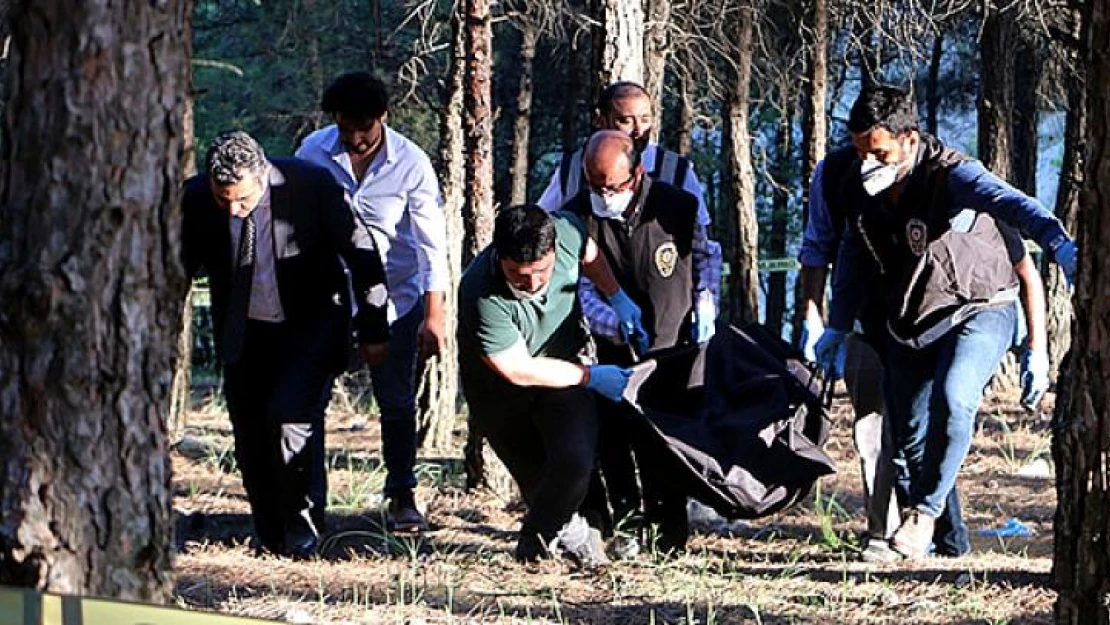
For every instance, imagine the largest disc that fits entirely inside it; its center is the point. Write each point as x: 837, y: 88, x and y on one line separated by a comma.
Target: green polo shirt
x: 492, y: 320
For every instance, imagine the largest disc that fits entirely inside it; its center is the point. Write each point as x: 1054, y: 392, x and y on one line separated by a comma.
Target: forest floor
x: 799, y: 566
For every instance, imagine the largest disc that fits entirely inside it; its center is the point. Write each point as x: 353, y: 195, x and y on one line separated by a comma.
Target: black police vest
x: 933, y: 278
x: 650, y: 255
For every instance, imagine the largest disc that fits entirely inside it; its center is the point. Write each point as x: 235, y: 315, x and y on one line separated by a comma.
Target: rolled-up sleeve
x: 429, y: 228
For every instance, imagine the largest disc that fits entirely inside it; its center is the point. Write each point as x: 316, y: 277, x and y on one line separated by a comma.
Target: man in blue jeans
x: 862, y: 368
x: 940, y: 349
x: 392, y: 188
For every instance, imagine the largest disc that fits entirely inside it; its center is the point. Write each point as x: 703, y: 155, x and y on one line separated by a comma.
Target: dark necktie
x: 239, y: 300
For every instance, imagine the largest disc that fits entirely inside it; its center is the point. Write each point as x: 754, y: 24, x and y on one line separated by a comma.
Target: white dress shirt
x: 398, y: 200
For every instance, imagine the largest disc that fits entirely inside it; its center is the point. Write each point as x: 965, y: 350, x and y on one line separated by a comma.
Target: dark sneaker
x: 915, y: 535
x: 402, y: 517
x: 530, y: 547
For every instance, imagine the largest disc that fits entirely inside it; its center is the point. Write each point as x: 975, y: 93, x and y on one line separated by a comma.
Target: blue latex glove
x: 828, y: 352
x: 631, y: 327
x: 1034, y: 378
x: 1067, y: 256
x: 811, y: 333
x: 609, y: 381
x: 705, y: 315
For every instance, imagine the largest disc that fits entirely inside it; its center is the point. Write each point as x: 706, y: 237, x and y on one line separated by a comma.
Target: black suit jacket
x: 313, y: 228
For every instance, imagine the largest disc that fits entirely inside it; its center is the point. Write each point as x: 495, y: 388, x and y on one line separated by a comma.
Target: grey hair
x: 233, y: 156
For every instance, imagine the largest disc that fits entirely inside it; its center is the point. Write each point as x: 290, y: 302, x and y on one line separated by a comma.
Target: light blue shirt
x: 399, y: 202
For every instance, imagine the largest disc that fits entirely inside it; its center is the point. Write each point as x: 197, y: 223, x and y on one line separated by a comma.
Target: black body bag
x: 733, y: 424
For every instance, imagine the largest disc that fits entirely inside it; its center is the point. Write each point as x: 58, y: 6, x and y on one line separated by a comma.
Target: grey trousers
x: 863, y: 375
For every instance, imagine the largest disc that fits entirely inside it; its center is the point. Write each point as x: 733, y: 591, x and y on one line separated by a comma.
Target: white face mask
x: 878, y: 177
x: 525, y: 296
x: 612, y: 206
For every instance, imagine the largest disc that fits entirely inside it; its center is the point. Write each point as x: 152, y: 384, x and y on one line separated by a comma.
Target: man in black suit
x: 278, y: 244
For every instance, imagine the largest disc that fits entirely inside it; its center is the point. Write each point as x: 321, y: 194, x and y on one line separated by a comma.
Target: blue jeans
x: 934, y: 395
x: 394, y: 383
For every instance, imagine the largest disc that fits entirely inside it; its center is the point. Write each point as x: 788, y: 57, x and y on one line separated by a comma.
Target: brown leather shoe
x: 914, y: 536
x: 402, y: 517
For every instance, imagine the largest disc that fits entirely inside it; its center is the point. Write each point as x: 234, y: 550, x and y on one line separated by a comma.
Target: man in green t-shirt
x: 523, y: 359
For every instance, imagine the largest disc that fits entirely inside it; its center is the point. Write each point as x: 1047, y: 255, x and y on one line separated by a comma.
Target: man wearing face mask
x: 912, y: 192
x: 625, y: 106
x: 523, y: 354
x: 862, y: 369
x: 648, y: 232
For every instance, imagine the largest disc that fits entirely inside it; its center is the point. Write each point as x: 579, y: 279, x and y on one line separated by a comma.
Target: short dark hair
x: 356, y: 95
x: 618, y: 91
x: 233, y: 156
x: 523, y: 233
x: 887, y: 107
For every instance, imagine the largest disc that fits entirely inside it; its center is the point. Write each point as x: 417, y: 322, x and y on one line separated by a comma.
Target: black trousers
x: 627, y: 482
x: 547, y: 439
x: 273, y: 397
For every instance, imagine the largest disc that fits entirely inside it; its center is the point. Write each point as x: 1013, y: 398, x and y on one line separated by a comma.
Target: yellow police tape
x: 20, y: 606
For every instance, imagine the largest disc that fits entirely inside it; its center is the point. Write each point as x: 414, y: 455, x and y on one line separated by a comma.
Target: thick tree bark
x: 618, y: 43
x: 439, y: 385
x: 1082, y: 429
x: 478, y: 128
x: 656, y: 48
x: 91, y: 280
x: 522, y: 126
x: 744, y: 277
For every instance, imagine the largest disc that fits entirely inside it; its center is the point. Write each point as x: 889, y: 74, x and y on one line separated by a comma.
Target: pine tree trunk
x: 522, y: 127
x: 996, y: 125
x: 1028, y: 70
x: 92, y: 287
x: 780, y: 214
x: 1082, y: 430
x: 656, y: 48
x: 618, y: 42
x: 438, y: 389
x: 744, y: 277
x: 478, y: 128
x: 576, y: 70
x: 996, y: 94
x: 932, y: 85
x: 1059, y: 317
x: 483, y: 467
x: 685, y: 131
x: 815, y: 128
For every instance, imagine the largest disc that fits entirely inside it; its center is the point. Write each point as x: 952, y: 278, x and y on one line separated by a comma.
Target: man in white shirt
x: 393, y: 191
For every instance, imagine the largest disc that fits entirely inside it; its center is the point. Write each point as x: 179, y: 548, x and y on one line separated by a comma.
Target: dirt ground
x: 799, y: 566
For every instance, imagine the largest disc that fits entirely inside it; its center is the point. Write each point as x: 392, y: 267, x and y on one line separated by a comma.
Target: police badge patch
x: 917, y: 236
x: 666, y: 257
